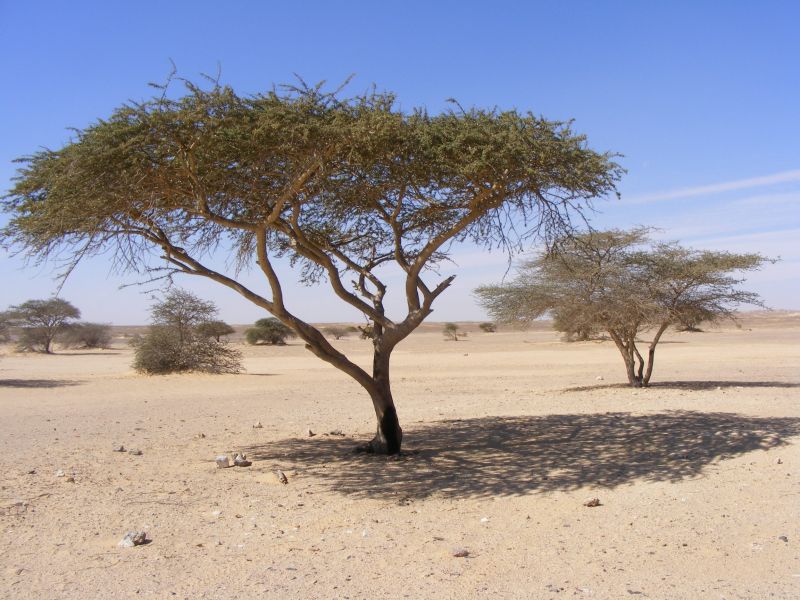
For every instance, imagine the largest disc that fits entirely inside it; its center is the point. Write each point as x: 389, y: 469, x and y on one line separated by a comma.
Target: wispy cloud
x: 717, y: 188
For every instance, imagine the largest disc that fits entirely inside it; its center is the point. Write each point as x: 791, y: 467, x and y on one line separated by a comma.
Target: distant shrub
x: 452, y: 332
x: 174, y: 343
x: 367, y: 331
x: 337, y: 332
x: 87, y: 335
x: 161, y: 350
x: 488, y: 327
x: 269, y: 332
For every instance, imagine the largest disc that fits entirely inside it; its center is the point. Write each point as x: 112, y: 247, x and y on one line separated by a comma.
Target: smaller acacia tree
x: 623, y: 283
x: 174, y: 342
x: 337, y: 332
x: 269, y: 331
x: 41, y: 321
x: 451, y: 332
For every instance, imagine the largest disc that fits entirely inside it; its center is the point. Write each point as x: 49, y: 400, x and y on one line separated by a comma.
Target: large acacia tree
x: 623, y: 283
x: 342, y: 187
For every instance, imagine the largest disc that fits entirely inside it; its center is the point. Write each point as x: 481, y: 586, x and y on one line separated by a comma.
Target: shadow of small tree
x: 687, y: 385
x: 512, y: 456
x: 38, y: 383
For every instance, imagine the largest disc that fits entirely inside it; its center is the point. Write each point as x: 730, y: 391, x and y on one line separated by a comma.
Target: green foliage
x: 269, y: 331
x: 87, y: 335
x: 488, y: 327
x: 215, y: 329
x: 41, y: 321
x: 623, y: 283
x: 176, y: 341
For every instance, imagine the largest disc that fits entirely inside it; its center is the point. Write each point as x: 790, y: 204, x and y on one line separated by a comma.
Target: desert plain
x: 506, y: 436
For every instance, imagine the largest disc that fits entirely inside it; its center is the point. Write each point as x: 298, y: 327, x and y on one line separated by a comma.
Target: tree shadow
x: 38, y: 383
x: 513, y: 456
x: 688, y: 385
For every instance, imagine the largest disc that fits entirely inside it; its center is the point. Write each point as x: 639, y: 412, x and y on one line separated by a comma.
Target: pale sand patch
x: 508, y: 435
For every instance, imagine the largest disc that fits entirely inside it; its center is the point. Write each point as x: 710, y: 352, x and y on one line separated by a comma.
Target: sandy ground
x: 507, y: 435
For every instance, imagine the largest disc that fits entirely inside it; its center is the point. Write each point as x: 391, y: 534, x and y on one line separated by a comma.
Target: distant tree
x: 269, y: 331
x: 337, y: 332
x: 41, y: 321
x: 215, y: 329
x: 451, y: 332
x: 174, y: 342
x: 623, y: 283
x: 340, y: 187
x: 488, y: 327
x: 87, y: 335
x: 366, y: 331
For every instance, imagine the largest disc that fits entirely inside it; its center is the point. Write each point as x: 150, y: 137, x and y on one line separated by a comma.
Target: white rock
x: 133, y: 538
x: 60, y: 473
x: 599, y: 378
x: 223, y: 462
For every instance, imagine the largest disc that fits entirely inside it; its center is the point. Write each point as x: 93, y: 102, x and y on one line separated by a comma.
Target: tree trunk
x: 651, y: 353
x: 389, y: 435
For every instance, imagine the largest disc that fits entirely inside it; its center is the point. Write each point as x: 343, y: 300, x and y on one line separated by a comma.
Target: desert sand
x: 506, y: 436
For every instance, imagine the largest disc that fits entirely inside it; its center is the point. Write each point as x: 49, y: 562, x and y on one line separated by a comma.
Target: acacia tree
x: 40, y: 321
x: 269, y: 331
x: 342, y: 187
x: 215, y: 329
x: 623, y: 283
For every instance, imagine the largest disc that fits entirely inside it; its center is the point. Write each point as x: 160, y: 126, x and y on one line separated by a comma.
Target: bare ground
x: 506, y: 435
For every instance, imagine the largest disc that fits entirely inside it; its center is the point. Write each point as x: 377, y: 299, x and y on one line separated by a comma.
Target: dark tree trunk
x: 389, y: 435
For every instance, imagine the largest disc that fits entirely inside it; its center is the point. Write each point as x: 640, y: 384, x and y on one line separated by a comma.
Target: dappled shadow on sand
x: 687, y: 385
x: 511, y: 456
x: 37, y: 383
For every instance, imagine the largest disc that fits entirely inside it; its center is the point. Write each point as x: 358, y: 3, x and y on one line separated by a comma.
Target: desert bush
x: 488, y: 327
x: 174, y: 344
x: 87, y: 335
x: 269, y: 331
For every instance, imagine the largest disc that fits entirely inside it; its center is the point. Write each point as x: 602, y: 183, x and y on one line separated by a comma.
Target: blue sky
x: 700, y: 97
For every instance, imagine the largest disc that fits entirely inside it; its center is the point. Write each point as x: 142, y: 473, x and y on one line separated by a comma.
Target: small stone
x: 223, y: 462
x: 240, y: 460
x: 592, y: 502
x: 311, y: 433
x: 599, y: 378
x: 281, y: 476
x: 337, y: 432
x: 60, y: 473
x: 779, y: 462
x: 258, y: 425
x: 69, y: 479
x: 216, y: 513
x: 199, y: 436
x: 460, y: 552
x: 783, y: 538
x: 118, y: 448
x: 135, y: 452
x: 133, y: 538
x: 484, y: 519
